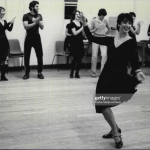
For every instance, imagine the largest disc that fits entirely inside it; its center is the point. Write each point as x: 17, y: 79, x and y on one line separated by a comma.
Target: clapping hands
x: 36, y: 20
x: 139, y: 23
x: 33, y: 19
x: 83, y: 19
x: 12, y: 21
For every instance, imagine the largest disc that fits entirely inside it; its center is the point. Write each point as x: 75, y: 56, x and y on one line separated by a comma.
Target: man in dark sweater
x: 32, y: 21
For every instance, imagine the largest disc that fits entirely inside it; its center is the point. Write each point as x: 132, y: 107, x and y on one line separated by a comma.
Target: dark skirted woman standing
x: 77, y: 46
x: 148, y: 31
x: 115, y: 85
x: 4, y: 45
x: 67, y: 41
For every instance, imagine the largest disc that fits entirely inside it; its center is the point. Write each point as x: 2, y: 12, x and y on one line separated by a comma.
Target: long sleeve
x: 98, y: 40
x: 135, y: 58
x: 9, y: 26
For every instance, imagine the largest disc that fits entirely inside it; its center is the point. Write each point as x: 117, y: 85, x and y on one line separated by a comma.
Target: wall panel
x: 54, y: 22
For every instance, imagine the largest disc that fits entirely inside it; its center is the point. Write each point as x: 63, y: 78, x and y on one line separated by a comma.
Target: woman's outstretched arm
x: 99, y: 40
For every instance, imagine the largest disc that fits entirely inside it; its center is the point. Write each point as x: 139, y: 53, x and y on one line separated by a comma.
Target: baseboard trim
x: 66, y: 66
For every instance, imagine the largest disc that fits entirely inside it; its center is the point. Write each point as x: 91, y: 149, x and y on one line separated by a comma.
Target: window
x: 70, y: 7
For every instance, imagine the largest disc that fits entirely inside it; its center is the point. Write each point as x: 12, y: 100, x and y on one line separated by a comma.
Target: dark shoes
x: 120, y: 143
x: 77, y: 75
x: 110, y: 135
x: 3, y: 78
x: 40, y: 76
x: 26, y: 76
x: 71, y: 75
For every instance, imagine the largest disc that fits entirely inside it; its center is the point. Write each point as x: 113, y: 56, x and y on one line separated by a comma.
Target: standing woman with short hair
x: 98, y: 27
x: 4, y: 44
x: 115, y: 84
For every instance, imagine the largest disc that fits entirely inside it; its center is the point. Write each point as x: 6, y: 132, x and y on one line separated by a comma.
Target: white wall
x: 142, y: 9
x: 52, y: 12
x: 2, y: 3
x: 53, y: 18
x: 115, y: 7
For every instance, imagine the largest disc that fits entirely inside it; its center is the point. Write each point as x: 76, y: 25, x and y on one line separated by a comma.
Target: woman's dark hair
x: 74, y: 13
x: 132, y: 14
x: 102, y: 12
x: 32, y: 4
x: 1, y: 8
x: 123, y: 16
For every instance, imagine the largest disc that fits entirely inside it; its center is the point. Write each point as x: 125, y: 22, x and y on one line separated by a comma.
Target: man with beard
x: 32, y: 21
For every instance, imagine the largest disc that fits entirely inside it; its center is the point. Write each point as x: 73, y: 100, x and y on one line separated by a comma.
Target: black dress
x: 77, y: 46
x: 68, y: 39
x: 4, y: 45
x: 114, y: 79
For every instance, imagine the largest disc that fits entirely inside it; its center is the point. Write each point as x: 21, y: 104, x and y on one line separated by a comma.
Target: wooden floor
x: 58, y: 113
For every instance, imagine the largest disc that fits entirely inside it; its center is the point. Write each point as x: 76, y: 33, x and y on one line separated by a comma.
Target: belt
x: 99, y: 35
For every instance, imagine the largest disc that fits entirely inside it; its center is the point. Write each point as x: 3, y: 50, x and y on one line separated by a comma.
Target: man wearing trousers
x: 32, y: 21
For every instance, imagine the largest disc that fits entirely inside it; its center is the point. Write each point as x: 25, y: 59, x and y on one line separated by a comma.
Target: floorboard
x: 58, y: 113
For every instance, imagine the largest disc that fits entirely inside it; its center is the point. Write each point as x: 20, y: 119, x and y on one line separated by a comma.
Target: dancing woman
x: 77, y: 46
x: 114, y: 79
x: 4, y: 45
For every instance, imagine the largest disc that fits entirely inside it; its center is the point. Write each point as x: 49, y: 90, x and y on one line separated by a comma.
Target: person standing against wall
x: 4, y: 44
x: 133, y: 30
x: 97, y: 27
x: 32, y: 21
x: 68, y: 39
x: 148, y: 31
x: 77, y: 46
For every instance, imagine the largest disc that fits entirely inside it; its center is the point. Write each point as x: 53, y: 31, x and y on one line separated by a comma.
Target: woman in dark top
x: 133, y: 30
x: 148, y: 31
x: 4, y: 45
x: 77, y: 47
x: 115, y: 85
x: 68, y: 39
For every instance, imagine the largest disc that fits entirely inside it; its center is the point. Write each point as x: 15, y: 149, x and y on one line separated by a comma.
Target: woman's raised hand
x: 83, y: 19
x: 12, y: 21
x: 141, y: 76
x: 139, y: 23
